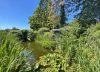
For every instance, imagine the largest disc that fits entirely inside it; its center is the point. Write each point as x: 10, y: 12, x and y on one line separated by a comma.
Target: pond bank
x: 35, y: 48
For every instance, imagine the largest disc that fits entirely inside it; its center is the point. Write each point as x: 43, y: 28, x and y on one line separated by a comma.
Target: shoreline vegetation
x: 52, y: 44
x: 64, y: 49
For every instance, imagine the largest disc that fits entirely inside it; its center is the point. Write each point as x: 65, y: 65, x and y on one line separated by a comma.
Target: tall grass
x: 75, y: 54
x: 46, y: 40
x: 10, y: 53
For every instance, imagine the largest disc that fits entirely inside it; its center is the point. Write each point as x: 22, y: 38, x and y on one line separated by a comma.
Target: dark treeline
x: 55, y: 13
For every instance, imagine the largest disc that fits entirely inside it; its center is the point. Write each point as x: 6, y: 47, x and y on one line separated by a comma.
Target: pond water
x: 35, y: 48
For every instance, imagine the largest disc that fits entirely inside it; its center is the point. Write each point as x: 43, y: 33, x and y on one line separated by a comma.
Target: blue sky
x: 15, y: 13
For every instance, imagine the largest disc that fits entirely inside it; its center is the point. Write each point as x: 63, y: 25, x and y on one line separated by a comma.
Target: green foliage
x: 44, y: 16
x: 75, y: 47
x: 11, y: 59
x: 93, y: 29
x: 88, y: 15
x: 51, y: 63
x: 14, y: 28
x: 46, y: 40
x: 39, y: 19
x: 51, y: 23
x: 22, y: 35
x: 62, y: 14
x: 53, y: 18
x: 76, y: 29
x: 42, y: 30
x: 73, y: 54
x: 30, y: 36
x: 87, y: 55
x: 34, y: 23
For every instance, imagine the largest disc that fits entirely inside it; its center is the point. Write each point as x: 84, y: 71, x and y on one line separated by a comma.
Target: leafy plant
x: 73, y: 54
x: 46, y: 40
x: 11, y: 59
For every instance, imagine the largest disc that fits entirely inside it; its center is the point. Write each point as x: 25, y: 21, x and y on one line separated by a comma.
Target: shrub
x: 42, y: 30
x: 23, y: 35
x: 51, y: 63
x: 46, y: 40
x: 30, y: 36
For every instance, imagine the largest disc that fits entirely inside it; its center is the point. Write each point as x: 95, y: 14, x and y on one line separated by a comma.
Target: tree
x: 51, y: 14
x: 62, y: 13
x: 63, y: 9
x: 53, y: 18
x: 39, y: 19
x: 44, y: 16
x: 90, y: 12
x: 14, y: 28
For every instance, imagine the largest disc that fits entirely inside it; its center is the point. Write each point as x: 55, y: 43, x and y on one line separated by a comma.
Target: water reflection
x: 36, y: 49
x: 29, y: 56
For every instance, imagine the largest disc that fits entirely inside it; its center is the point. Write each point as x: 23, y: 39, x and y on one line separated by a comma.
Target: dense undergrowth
x: 73, y: 50
x: 11, y: 56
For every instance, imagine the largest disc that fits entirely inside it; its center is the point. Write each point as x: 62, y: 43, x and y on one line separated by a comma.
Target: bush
x: 51, y: 63
x: 31, y: 36
x: 46, y: 40
x: 22, y: 35
x: 42, y: 30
